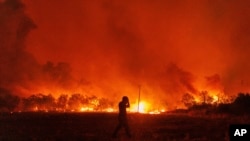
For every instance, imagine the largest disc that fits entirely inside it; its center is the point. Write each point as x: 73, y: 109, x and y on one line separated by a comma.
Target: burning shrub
x: 39, y: 102
x: 240, y: 106
x: 75, y: 103
x: 188, y: 100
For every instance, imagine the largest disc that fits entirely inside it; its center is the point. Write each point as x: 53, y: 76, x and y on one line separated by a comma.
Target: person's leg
x: 118, y: 127
x: 127, y: 129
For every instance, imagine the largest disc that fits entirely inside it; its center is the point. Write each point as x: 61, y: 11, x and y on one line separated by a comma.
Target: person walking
x: 122, y: 117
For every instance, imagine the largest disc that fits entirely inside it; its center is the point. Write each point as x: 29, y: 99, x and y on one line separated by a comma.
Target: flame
x: 86, y: 109
x: 197, y: 99
x: 85, y: 103
x: 215, y: 98
x: 146, y: 108
x: 143, y: 107
x: 109, y: 110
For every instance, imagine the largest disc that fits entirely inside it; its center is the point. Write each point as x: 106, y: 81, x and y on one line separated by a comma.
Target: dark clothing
x: 122, y: 109
x: 122, y: 118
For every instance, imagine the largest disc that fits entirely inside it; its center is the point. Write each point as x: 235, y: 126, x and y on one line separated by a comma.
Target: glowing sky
x: 169, y: 47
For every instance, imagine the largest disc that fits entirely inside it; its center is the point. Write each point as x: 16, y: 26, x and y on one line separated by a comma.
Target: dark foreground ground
x: 99, y: 127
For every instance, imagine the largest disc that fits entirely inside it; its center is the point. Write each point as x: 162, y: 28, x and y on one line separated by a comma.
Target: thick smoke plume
x: 167, y: 47
x: 16, y: 64
x: 20, y: 72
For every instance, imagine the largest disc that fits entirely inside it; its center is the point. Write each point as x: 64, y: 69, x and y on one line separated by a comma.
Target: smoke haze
x: 108, y: 48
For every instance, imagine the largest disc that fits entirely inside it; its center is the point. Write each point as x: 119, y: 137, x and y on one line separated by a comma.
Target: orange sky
x: 166, y: 46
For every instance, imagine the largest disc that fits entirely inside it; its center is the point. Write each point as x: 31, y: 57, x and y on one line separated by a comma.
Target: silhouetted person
x: 122, y: 117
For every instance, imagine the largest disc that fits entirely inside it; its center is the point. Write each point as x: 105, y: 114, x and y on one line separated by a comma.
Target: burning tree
x: 39, y: 102
x: 105, y: 104
x: 75, y: 101
x: 62, y: 101
x: 188, y: 100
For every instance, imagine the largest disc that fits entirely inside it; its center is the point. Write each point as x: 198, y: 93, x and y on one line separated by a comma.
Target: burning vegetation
x: 65, y: 103
x: 207, y: 104
x: 179, y: 63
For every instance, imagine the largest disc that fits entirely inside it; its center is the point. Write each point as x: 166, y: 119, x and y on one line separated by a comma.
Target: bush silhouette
x: 241, y: 104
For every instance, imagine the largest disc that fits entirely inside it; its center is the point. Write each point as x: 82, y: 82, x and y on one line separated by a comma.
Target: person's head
x: 125, y: 99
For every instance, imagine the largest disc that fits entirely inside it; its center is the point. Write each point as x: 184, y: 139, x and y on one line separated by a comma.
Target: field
x: 39, y: 126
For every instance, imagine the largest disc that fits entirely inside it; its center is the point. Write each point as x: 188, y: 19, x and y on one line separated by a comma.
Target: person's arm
x: 127, y: 104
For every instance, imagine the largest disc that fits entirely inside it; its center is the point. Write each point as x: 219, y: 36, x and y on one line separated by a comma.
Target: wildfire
x: 91, y: 109
x: 79, y: 102
x: 145, y: 108
x: 215, y: 98
x: 109, y: 110
x: 86, y: 109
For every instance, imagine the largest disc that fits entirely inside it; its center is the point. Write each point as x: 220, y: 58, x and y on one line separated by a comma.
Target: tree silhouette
x: 188, y: 100
x: 62, y: 102
x: 39, y: 102
x: 75, y: 101
x: 204, y: 96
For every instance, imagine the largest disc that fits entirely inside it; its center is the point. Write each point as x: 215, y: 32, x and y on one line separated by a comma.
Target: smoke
x: 179, y: 80
x: 16, y: 63
x: 111, y: 47
x: 214, y: 83
x: 20, y: 72
x: 8, y: 102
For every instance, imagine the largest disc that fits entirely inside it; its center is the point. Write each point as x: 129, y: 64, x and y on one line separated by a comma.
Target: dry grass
x: 99, y: 127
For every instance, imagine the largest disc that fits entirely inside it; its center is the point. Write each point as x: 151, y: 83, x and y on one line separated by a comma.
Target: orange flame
x: 145, y: 108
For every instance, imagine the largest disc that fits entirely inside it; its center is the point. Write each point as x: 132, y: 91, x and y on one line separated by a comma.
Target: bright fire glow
x: 84, y: 109
x: 145, y: 108
x: 109, y: 110
x: 215, y: 98
x: 197, y: 99
x: 80, y: 103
